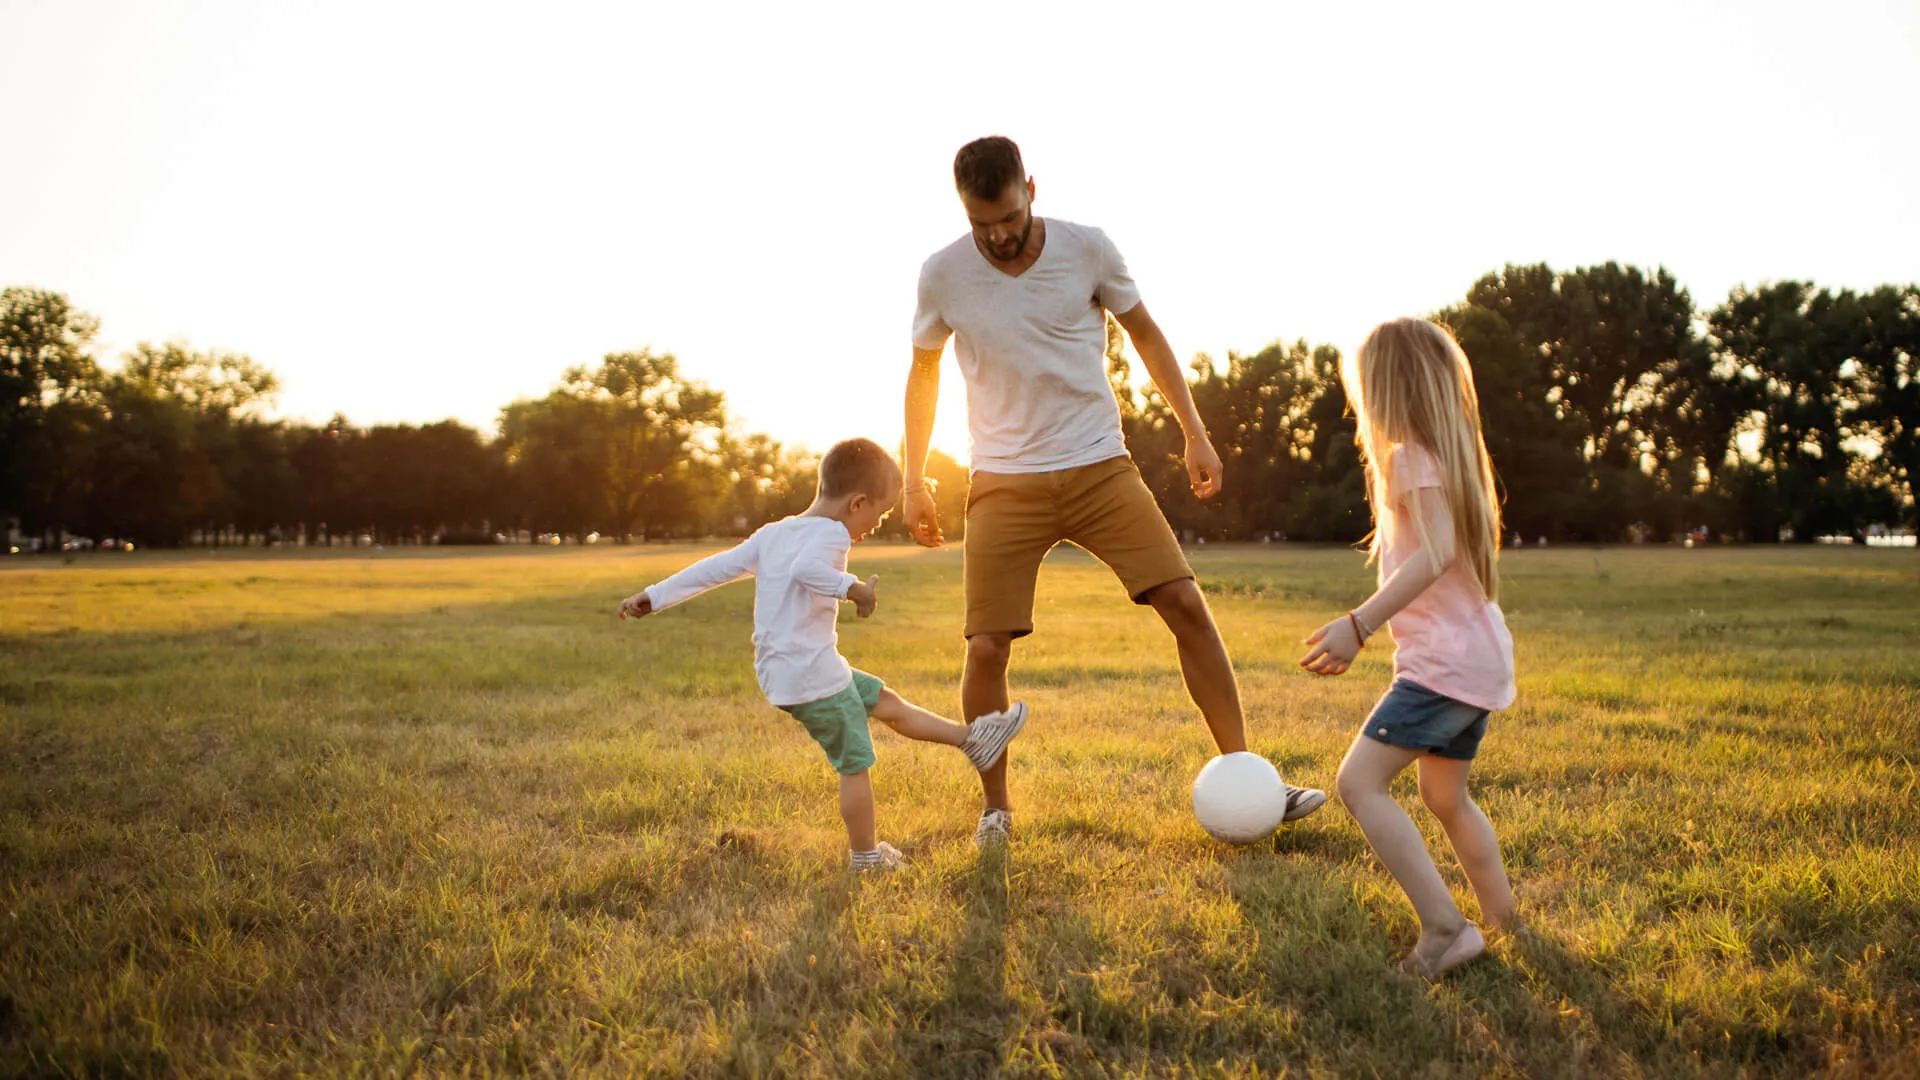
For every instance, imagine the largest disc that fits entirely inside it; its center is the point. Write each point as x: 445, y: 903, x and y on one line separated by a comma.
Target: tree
x: 1330, y: 502
x: 659, y: 472
x: 1609, y: 340
x: 764, y: 482
x: 1533, y: 443
x: 169, y: 443
x: 1887, y: 379
x: 48, y: 406
x: 1276, y: 417
x: 1796, y: 346
x: 629, y: 447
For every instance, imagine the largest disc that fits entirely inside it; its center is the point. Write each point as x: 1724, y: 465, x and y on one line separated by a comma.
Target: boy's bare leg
x: 983, y: 689
x: 1443, y: 787
x: 915, y: 722
x: 856, y: 809
x: 1363, y: 780
x: 1203, y: 661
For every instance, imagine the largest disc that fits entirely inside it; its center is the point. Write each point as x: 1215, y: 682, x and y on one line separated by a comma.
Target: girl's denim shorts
x: 1412, y: 717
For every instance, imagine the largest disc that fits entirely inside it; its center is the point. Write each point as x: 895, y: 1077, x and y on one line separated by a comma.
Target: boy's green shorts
x: 839, y: 723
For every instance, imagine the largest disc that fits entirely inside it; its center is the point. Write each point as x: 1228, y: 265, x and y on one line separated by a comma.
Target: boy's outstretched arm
x: 709, y: 573
x: 821, y: 574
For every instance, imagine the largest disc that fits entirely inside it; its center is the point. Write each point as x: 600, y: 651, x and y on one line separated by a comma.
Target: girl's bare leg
x: 1363, y: 781
x: 1443, y: 787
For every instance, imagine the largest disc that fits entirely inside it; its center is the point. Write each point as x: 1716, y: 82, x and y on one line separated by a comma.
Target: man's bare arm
x: 923, y: 398
x: 1203, y: 464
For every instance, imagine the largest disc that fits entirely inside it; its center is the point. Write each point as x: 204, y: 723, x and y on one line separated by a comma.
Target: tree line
x: 1612, y: 409
x: 1611, y: 406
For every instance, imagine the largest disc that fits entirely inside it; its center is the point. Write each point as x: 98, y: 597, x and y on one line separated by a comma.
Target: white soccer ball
x: 1239, y: 798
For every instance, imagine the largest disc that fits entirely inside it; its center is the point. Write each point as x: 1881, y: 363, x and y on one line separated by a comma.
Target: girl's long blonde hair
x: 1411, y: 383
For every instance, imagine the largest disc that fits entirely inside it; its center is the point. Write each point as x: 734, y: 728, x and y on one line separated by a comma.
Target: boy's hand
x: 863, y: 596
x: 1334, y: 647
x: 636, y: 605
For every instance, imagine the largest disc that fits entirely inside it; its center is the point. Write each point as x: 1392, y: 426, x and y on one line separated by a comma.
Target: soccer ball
x: 1239, y: 798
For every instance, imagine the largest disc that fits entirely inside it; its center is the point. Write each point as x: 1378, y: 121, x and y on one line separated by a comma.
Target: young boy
x: 799, y: 567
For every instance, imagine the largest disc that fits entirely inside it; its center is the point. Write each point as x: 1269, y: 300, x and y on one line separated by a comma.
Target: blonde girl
x: 1436, y: 539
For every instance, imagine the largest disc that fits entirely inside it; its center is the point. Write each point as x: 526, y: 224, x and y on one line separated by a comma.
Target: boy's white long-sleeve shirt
x: 799, y: 567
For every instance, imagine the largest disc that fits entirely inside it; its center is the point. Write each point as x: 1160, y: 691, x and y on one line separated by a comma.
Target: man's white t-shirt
x: 799, y: 567
x: 1032, y: 348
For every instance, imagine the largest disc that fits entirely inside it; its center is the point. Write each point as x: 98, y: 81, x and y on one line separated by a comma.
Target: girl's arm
x: 1337, y: 643
x: 1419, y: 571
x: 709, y: 573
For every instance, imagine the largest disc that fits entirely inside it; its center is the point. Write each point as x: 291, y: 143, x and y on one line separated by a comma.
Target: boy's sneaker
x: 884, y: 856
x: 1302, y: 801
x: 996, y: 827
x: 988, y: 735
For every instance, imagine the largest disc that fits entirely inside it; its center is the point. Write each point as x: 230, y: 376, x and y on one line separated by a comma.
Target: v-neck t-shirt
x: 1032, y: 348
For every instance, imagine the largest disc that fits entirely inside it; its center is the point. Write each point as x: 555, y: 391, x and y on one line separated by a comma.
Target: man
x: 1024, y: 297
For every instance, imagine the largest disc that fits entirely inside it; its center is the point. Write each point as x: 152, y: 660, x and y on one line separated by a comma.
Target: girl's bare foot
x: 1438, y: 954
x: 1500, y: 919
x: 1505, y: 928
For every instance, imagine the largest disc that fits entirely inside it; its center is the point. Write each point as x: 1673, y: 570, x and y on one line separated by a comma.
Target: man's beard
x: 1018, y: 248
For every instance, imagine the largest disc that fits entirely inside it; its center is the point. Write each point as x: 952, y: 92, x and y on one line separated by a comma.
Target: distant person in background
x: 1437, y: 539
x: 1025, y: 299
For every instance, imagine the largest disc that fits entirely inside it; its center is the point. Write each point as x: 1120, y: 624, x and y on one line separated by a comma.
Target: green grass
x: 441, y: 812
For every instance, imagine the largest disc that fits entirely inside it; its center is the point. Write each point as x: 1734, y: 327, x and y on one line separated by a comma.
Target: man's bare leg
x: 983, y: 689
x: 1203, y: 661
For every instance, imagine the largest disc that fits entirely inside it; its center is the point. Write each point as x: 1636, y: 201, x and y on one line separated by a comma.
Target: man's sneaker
x: 988, y: 736
x: 1302, y: 801
x: 996, y: 826
x: 884, y: 856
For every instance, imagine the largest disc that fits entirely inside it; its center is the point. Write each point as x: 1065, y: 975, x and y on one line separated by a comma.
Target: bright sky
x: 415, y: 211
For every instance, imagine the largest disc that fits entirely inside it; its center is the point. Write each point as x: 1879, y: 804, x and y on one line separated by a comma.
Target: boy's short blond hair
x: 859, y: 466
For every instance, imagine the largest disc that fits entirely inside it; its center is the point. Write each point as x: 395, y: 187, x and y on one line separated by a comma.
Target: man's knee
x: 989, y: 652
x: 1181, y: 605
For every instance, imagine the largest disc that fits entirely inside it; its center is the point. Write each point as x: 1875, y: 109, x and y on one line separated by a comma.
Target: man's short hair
x: 858, y: 466
x: 984, y: 167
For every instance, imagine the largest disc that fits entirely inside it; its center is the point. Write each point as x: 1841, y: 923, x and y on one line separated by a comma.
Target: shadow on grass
x: 1543, y: 983
x: 786, y: 995
x: 1533, y: 1007
x: 1311, y: 839
x: 1322, y: 956
x: 965, y: 1032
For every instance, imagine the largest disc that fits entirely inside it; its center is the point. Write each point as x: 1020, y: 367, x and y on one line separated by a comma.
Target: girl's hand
x: 636, y: 605
x: 1334, y: 647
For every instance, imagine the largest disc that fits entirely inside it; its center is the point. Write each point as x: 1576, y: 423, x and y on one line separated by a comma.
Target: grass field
x: 438, y: 812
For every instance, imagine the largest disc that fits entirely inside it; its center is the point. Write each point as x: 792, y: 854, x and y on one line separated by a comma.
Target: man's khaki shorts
x: 1014, y: 519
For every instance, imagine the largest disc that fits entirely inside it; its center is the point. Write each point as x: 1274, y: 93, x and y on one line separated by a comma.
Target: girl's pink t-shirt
x: 1451, y: 639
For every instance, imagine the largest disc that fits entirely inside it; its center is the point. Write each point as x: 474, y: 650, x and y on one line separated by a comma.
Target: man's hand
x: 863, y: 596
x: 1203, y: 467
x: 636, y: 605
x: 1334, y: 647
x: 922, y: 516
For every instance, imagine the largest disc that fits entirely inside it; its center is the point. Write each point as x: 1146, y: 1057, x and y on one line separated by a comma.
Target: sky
x: 414, y: 211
